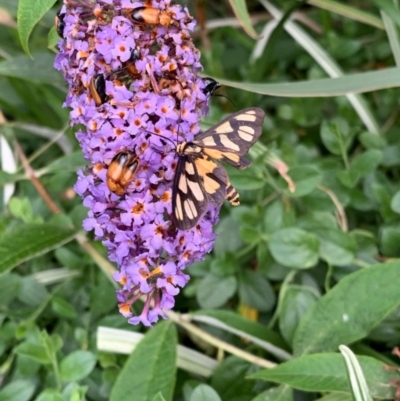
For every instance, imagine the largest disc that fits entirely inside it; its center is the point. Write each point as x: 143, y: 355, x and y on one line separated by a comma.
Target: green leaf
x: 69, y: 162
x: 365, y: 163
x: 74, y: 392
x: 242, y: 14
x: 34, y: 351
x: 224, y: 265
x: 228, y: 239
x: 336, y: 247
x: 9, y: 287
x: 63, y: 308
x: 213, y: 291
x: 390, y: 239
x: 204, y: 392
x: 28, y: 241
x: 49, y: 395
x: 52, y: 38
x: 306, y: 178
x: 40, y: 70
x: 31, y: 292
x: 159, y: 397
x: 395, y: 203
x: 276, y: 217
x: 349, y: 319
x: 250, y: 234
x: 230, y: 379
x: 360, y: 166
x: 21, y: 208
x: 255, y: 291
x: 336, y: 136
x: 295, y: 248
x: 391, y: 155
x: 279, y: 393
x: 294, y: 304
x: 372, y: 141
x: 18, y: 390
x: 50, y: 343
x: 29, y: 14
x: 77, y: 365
x: 327, y: 372
x: 151, y: 368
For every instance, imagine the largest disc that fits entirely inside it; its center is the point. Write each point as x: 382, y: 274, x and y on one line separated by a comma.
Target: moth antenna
x: 226, y: 97
x: 162, y: 137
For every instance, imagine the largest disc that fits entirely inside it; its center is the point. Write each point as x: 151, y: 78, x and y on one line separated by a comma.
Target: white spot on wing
x: 189, y: 168
x: 209, y: 141
x: 190, y: 209
x: 228, y: 143
x: 224, y: 128
x: 183, y: 184
x: 248, y: 129
x: 249, y: 116
x: 196, y: 189
x: 178, y: 208
x: 245, y: 136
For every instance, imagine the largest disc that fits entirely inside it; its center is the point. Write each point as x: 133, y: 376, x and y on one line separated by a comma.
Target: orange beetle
x: 150, y: 16
x: 97, y: 89
x: 121, y: 172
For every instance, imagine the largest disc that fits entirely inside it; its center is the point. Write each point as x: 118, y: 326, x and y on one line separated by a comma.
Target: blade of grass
x: 9, y: 165
x: 348, y: 12
x: 327, y: 63
x: 239, y: 7
x: 52, y: 276
x: 389, y: 8
x: 356, y: 376
x: 393, y: 36
x: 325, y: 87
x: 124, y: 342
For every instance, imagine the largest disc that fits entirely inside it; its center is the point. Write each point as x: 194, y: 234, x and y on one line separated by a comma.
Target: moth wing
x: 198, y: 180
x: 230, y: 139
x: 189, y: 199
x: 214, y: 179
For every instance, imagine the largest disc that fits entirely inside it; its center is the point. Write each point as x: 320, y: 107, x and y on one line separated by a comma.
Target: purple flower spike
x: 146, y: 100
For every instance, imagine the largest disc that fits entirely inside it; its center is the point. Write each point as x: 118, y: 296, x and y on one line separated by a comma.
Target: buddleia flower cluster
x: 134, y: 89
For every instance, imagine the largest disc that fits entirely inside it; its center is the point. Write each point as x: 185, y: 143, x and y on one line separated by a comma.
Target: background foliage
x: 306, y: 264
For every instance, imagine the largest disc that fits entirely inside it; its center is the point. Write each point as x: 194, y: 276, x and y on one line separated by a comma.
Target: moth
x: 199, y: 179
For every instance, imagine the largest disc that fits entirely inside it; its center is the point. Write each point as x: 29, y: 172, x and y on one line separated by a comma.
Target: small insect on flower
x: 210, y: 86
x: 154, y: 16
x: 150, y: 16
x: 199, y: 179
x: 130, y: 66
x: 121, y: 172
x: 97, y: 89
x: 59, y: 24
